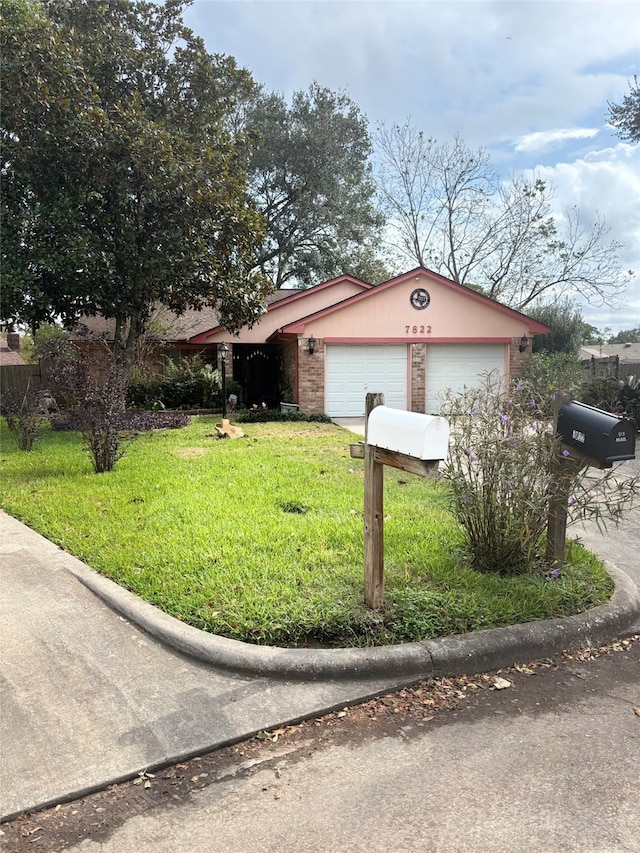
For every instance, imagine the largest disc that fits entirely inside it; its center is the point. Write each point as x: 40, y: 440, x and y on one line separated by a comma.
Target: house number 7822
x: 417, y: 330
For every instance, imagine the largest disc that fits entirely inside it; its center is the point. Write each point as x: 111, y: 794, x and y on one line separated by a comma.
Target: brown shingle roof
x: 166, y: 325
x: 9, y: 356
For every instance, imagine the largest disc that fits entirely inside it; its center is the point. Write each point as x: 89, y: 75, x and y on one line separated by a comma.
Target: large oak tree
x: 310, y: 175
x: 124, y: 182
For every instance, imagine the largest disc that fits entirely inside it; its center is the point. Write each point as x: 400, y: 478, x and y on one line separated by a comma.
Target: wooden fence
x: 20, y: 377
x: 610, y: 366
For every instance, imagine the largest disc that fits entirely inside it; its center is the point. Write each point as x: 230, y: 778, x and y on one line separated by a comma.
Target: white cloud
x: 497, y: 72
x: 489, y: 70
x: 544, y: 138
x: 606, y: 182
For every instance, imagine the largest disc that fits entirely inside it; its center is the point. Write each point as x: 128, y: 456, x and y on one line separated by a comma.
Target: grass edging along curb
x: 478, y: 651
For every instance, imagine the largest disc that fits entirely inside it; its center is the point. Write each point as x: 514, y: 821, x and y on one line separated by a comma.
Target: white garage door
x: 458, y: 366
x: 354, y: 370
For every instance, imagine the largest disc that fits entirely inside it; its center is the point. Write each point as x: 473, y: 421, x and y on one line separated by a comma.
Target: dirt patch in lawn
x: 283, y: 431
x: 191, y: 452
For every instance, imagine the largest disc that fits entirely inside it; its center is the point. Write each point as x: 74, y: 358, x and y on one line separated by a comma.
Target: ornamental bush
x: 94, y: 390
x: 503, y: 461
x: 23, y: 412
x: 261, y: 416
x: 190, y: 383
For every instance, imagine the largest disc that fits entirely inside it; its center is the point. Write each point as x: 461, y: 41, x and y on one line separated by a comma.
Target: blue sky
x: 527, y: 79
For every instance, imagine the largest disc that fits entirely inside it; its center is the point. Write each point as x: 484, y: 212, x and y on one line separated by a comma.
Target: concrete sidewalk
x: 91, y: 697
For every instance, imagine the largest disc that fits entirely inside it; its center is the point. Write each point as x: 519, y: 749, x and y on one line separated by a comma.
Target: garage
x: 458, y: 366
x: 353, y: 370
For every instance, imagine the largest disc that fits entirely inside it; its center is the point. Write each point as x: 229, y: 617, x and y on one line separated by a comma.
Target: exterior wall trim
x: 298, y: 326
x: 423, y: 340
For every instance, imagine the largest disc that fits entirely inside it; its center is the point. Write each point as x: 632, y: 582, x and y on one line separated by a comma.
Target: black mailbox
x: 596, y: 434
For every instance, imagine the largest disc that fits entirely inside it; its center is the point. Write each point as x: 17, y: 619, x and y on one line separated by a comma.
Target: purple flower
x: 573, y: 501
x: 532, y: 402
x: 554, y: 574
x: 519, y: 386
x: 565, y: 453
x: 504, y: 419
x: 472, y: 410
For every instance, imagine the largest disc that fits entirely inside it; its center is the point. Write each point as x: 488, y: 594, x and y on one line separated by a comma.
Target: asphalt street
x: 547, y: 762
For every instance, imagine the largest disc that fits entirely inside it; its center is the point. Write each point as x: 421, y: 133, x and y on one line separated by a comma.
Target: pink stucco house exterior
x: 412, y: 337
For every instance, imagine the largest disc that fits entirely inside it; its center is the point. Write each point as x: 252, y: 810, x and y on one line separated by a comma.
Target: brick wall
x: 311, y: 377
x: 288, y: 353
x: 518, y: 360
x: 418, y: 378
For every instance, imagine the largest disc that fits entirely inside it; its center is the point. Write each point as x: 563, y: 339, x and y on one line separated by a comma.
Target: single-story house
x: 10, y: 350
x: 410, y: 338
x: 325, y: 347
x: 629, y: 352
x: 611, y: 359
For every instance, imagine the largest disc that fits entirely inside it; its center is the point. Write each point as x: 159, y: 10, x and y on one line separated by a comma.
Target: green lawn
x: 261, y: 538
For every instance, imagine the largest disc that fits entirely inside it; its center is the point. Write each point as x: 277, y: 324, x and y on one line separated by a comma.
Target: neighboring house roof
x: 194, y: 326
x: 165, y: 325
x: 286, y: 298
x: 9, y: 356
x: 627, y: 352
x: 297, y: 327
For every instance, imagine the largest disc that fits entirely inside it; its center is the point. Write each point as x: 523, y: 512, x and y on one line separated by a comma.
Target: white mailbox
x: 416, y: 435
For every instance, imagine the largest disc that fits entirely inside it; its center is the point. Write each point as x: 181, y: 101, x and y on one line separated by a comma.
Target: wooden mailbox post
x: 411, y: 433
x: 589, y: 437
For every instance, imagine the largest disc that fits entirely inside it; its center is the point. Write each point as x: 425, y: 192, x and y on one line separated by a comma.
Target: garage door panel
x: 458, y: 366
x: 353, y: 370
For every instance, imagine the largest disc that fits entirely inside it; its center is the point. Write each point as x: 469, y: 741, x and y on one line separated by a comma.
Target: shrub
x: 102, y: 403
x: 144, y: 421
x: 145, y: 392
x: 46, y: 342
x: 502, y: 463
x: 23, y: 412
x: 549, y: 373
x: 136, y: 421
x: 629, y: 396
x: 94, y: 393
x: 191, y: 383
x: 261, y: 416
x: 613, y: 395
x: 600, y: 391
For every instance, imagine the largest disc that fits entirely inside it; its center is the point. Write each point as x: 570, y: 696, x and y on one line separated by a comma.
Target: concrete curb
x: 495, y: 648
x: 477, y: 651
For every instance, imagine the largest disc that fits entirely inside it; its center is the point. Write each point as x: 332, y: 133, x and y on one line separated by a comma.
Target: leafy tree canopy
x: 310, y: 178
x: 123, y: 171
x: 568, y: 328
x: 627, y: 336
x: 593, y: 335
x: 625, y: 117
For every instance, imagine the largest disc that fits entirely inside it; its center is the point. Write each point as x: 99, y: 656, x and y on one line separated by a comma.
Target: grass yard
x: 261, y: 538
